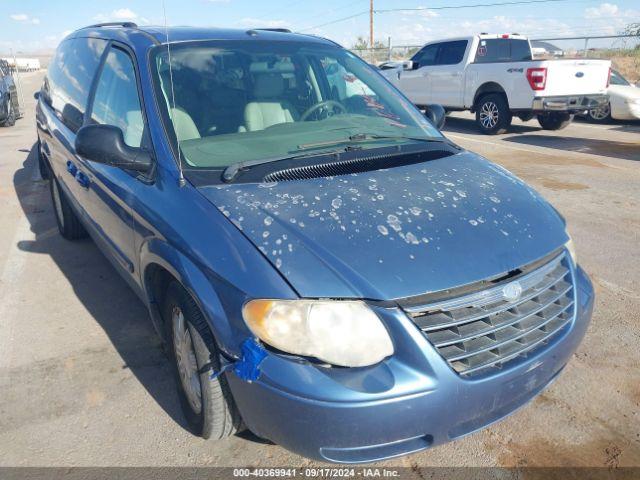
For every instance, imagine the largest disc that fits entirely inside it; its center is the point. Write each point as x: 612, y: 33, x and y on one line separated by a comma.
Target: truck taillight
x: 609, y: 78
x: 537, y: 78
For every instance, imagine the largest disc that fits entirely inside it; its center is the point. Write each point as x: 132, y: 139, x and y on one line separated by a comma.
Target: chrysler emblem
x: 512, y: 291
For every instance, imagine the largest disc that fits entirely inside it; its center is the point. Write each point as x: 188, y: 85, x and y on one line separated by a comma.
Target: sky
x: 37, y: 26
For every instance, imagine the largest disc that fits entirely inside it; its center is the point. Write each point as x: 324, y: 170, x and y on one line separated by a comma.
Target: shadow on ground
x: 468, y: 125
x: 106, y: 296
x: 103, y: 293
x: 606, y: 148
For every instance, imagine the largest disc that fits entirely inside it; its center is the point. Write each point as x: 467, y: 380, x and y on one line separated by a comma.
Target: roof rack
x: 114, y: 24
x: 280, y: 30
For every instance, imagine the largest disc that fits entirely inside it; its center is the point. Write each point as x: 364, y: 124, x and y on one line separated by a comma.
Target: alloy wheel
x: 600, y: 113
x: 489, y: 115
x: 186, y: 360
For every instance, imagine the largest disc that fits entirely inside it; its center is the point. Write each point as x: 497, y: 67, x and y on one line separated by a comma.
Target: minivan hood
x: 394, y: 233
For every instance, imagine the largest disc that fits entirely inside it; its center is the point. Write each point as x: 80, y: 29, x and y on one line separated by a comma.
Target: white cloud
x: 124, y: 14
x: 261, y: 23
x: 121, y: 15
x: 19, y: 17
x: 603, y: 10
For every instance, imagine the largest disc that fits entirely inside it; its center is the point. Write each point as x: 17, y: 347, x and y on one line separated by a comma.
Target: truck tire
x: 69, y: 225
x: 207, y: 404
x: 10, y: 121
x: 554, y: 120
x: 492, y: 114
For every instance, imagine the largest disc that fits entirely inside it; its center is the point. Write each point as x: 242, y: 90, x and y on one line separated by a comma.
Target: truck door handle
x: 71, y: 168
x: 82, y: 179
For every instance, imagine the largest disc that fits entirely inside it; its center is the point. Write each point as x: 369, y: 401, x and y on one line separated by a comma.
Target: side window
x: 70, y: 77
x: 520, y: 51
x: 427, y: 56
x: 452, y: 53
x: 116, y: 100
x: 493, y: 50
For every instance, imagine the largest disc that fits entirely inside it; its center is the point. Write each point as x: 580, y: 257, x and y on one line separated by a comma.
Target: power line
x: 477, y: 5
x: 445, y: 7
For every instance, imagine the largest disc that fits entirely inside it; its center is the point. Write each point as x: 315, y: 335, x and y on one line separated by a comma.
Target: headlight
x: 634, y: 101
x: 572, y: 251
x: 345, y: 333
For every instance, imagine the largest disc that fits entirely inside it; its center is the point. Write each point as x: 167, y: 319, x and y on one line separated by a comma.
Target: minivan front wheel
x: 207, y: 403
x: 68, y: 223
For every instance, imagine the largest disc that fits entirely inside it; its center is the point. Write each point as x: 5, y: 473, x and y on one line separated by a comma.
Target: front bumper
x: 569, y: 103
x: 407, y: 403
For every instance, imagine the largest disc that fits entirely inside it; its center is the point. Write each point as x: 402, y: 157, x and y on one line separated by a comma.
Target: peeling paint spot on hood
x: 396, y: 232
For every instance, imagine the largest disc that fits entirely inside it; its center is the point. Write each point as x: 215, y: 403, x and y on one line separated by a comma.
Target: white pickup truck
x: 495, y: 77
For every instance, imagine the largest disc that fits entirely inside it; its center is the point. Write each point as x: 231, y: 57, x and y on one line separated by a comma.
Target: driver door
x: 416, y: 83
x: 110, y: 189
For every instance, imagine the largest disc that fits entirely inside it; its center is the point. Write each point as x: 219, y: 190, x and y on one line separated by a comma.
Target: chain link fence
x: 622, y: 50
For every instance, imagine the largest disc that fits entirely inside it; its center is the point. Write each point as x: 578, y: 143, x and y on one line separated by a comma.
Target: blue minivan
x: 325, y: 267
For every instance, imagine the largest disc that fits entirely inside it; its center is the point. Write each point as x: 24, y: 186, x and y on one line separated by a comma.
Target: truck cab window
x: 451, y: 53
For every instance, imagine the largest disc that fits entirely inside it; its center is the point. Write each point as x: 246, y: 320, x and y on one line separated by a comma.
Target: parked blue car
x: 328, y: 269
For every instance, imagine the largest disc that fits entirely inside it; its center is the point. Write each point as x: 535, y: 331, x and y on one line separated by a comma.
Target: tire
x: 555, y: 120
x: 10, y: 121
x: 43, y: 167
x: 213, y: 414
x: 493, y: 116
x: 69, y: 225
x: 600, y: 115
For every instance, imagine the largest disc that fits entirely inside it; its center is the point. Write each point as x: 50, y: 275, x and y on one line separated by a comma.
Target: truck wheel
x: 554, y: 120
x: 11, y: 114
x: 492, y: 114
x: 69, y: 225
x: 601, y: 114
x: 207, y: 404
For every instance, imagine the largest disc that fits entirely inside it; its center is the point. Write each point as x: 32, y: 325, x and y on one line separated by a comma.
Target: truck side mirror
x: 409, y: 65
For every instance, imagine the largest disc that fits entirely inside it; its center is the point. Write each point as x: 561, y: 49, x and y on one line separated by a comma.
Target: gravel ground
x: 83, y: 381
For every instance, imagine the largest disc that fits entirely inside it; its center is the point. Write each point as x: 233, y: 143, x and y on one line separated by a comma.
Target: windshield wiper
x: 363, y: 137
x: 232, y: 171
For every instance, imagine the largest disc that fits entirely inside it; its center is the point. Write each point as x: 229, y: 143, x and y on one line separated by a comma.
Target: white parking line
x: 512, y: 147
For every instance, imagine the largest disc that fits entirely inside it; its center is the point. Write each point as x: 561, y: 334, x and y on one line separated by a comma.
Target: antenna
x: 181, y: 180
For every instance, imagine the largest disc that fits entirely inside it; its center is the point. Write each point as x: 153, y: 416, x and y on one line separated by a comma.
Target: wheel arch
x: 485, y: 89
x: 160, y: 264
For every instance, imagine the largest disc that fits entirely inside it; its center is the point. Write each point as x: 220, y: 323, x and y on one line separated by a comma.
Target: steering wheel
x: 330, y: 105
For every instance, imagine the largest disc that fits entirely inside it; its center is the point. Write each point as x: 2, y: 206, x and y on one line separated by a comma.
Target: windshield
x: 243, y: 101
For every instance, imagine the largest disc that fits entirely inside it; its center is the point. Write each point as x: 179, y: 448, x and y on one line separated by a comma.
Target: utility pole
x: 370, y: 23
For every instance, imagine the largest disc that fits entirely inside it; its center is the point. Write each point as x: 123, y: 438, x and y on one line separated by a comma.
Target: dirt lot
x: 83, y: 381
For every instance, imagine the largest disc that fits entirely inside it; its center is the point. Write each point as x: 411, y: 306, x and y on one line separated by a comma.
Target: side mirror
x: 105, y: 144
x: 409, y: 65
x: 436, y: 114
x: 36, y: 95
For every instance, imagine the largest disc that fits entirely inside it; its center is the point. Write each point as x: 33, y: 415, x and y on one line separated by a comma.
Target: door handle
x: 82, y: 179
x: 71, y: 168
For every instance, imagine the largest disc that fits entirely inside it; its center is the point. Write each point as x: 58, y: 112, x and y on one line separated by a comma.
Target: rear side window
x: 68, y: 82
x: 503, y: 50
x: 116, y: 101
x: 451, y: 53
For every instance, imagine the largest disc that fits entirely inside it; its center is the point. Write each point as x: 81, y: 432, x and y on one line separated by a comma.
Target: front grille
x: 479, y: 333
